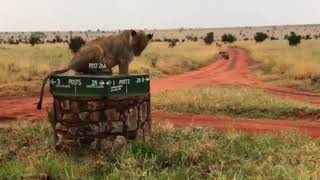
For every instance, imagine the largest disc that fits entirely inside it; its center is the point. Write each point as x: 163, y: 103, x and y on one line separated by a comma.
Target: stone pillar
x: 100, y: 123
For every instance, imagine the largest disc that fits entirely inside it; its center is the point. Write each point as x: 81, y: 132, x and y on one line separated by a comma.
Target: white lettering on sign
x: 63, y: 86
x: 96, y: 84
x: 74, y: 82
x: 141, y: 80
x: 97, y: 66
x: 55, y: 82
x: 124, y: 81
x: 102, y: 66
x: 93, y: 65
x: 108, y: 83
x: 116, y: 88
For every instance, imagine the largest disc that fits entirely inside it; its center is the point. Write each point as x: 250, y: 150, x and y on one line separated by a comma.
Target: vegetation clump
x: 228, y: 38
x: 260, y: 37
x: 294, y: 39
x: 209, y: 38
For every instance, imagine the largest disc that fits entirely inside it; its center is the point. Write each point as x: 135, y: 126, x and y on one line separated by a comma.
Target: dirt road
x: 234, y: 71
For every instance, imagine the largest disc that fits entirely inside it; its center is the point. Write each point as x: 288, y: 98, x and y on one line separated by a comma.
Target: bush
x: 195, y: 39
x: 173, y: 42
x: 35, y: 38
x: 209, y: 38
x: 294, y: 39
x: 273, y: 38
x: 228, y: 38
x: 76, y: 43
x: 58, y: 39
x: 12, y: 41
x: 308, y: 37
x: 260, y: 37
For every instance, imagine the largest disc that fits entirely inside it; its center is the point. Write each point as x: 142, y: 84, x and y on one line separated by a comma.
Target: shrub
x: 58, y: 39
x: 260, y: 37
x: 190, y: 38
x: 228, y: 38
x: 76, y: 43
x: 34, y: 39
x: 273, y: 38
x: 173, y: 42
x: 12, y: 41
x: 308, y: 37
x: 294, y: 39
x: 209, y: 38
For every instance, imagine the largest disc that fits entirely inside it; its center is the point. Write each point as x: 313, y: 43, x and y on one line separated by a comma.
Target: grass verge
x: 278, y: 63
x: 230, y: 101
x: 188, y: 153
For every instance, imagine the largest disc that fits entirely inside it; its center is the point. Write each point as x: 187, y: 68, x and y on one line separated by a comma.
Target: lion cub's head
x: 139, y: 41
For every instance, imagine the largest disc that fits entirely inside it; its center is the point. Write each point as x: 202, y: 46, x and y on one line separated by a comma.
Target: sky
x: 75, y: 15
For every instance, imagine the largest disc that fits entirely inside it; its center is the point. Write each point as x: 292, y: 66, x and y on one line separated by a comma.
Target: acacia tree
x: 260, y: 37
x: 209, y: 38
x: 294, y: 39
x: 228, y: 38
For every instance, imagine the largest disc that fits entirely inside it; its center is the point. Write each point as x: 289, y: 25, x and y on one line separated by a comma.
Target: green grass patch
x: 278, y: 63
x: 188, y: 153
x: 230, y: 101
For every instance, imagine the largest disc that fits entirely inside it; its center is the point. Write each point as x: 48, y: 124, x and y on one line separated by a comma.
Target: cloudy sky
x: 53, y: 15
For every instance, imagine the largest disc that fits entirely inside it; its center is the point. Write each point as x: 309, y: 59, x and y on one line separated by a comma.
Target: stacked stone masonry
x: 100, y: 123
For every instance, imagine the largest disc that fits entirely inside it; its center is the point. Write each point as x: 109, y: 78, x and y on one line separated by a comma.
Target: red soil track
x: 234, y: 71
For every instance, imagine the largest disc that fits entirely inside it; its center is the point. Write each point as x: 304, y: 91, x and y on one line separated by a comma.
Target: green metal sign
x: 100, y: 86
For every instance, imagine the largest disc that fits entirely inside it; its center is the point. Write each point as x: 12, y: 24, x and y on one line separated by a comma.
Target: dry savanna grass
x: 22, y: 67
x: 27, y: 152
x: 230, y: 101
x: 279, y: 63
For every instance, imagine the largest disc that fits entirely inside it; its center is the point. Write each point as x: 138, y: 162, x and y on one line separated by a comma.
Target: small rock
x: 95, y: 116
x: 59, y: 139
x: 116, y: 127
x: 106, y: 144
x: 61, y: 127
x: 119, y: 142
x: 93, y: 130
x: 83, y: 116
x: 132, y: 119
x: 143, y: 112
x: 94, y: 144
x: 112, y: 114
x: 65, y: 105
x: 69, y: 117
x: 95, y: 105
x: 74, y: 107
x: 103, y: 127
x: 73, y: 131
x: 59, y: 115
x: 140, y: 134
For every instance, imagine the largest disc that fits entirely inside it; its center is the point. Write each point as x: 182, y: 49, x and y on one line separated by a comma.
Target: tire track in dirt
x: 234, y: 71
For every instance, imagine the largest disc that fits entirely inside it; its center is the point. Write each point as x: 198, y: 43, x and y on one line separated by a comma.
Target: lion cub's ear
x: 133, y: 32
x: 150, y: 36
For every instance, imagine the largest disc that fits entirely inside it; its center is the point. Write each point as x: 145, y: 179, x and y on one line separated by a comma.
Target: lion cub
x: 101, y: 55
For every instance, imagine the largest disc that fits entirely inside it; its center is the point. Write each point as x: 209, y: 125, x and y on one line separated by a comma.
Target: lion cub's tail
x: 60, y: 71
